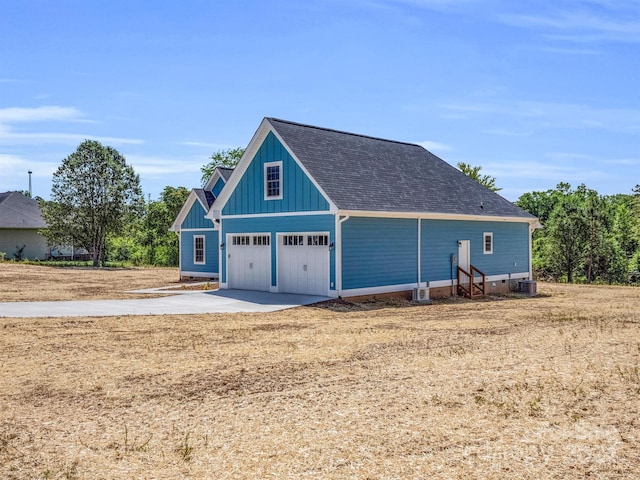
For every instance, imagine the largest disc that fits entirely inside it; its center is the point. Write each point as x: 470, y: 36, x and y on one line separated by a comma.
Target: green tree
x: 474, y: 173
x: 93, y: 193
x: 565, y: 234
x: 146, y: 238
x: 222, y: 158
x: 596, y: 224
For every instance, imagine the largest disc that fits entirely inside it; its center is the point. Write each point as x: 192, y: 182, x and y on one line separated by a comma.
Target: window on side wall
x: 198, y: 249
x: 488, y: 242
x: 273, y: 181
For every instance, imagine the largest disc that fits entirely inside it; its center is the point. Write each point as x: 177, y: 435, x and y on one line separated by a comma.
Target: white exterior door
x: 464, y: 254
x: 249, y: 261
x: 303, y: 263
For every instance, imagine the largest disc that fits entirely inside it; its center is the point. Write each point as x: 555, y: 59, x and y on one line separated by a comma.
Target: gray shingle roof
x: 372, y: 174
x: 18, y: 211
x: 225, y: 172
x: 205, y: 196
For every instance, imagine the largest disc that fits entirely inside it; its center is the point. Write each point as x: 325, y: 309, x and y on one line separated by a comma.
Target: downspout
x: 179, y: 254
x: 338, y: 243
x: 532, y: 228
x: 419, y: 257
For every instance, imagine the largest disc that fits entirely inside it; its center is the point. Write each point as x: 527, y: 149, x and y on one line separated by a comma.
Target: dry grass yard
x: 531, y: 388
x: 33, y: 283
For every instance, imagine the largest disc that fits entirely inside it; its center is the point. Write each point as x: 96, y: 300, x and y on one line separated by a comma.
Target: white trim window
x: 198, y: 250
x: 273, y: 180
x: 487, y: 243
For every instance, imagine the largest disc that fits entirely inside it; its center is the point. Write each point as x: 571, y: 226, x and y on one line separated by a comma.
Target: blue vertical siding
x: 379, y: 251
x: 439, y: 240
x: 282, y: 224
x: 298, y: 192
x: 195, y: 217
x: 217, y: 188
x: 211, y: 250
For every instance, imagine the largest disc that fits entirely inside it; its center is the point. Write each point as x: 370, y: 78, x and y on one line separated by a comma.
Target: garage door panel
x: 249, y: 261
x: 303, y: 264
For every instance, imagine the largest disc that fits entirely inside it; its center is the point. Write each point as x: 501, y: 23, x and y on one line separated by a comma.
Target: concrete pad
x: 220, y: 301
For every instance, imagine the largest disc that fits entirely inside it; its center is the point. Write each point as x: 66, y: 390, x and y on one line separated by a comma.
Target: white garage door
x: 249, y: 261
x: 303, y: 263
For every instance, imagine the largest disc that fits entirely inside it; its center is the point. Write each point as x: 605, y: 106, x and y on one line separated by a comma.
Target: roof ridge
x: 343, y: 132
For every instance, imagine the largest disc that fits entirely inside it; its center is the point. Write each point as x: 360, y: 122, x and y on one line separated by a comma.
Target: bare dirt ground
x: 532, y: 388
x: 27, y: 283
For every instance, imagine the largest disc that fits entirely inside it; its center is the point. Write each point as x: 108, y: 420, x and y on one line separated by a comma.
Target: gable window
x: 198, y: 249
x: 273, y: 181
x: 487, y: 242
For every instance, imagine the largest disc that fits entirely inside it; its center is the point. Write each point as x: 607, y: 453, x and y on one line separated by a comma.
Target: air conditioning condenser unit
x: 421, y: 294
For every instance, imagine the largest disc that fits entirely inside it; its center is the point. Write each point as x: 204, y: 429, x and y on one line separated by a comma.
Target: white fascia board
x: 280, y: 214
x: 241, y: 167
x: 254, y: 145
x: 184, y: 211
x: 332, y: 206
x: 435, y: 216
x: 213, y: 179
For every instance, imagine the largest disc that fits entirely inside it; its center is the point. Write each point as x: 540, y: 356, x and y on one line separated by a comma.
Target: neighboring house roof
x: 364, y: 173
x: 19, y: 211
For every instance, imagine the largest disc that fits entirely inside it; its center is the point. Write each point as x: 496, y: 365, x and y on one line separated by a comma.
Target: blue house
x: 318, y: 211
x: 199, y: 252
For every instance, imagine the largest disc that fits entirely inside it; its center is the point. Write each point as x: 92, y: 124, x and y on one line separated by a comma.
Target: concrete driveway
x: 189, y: 302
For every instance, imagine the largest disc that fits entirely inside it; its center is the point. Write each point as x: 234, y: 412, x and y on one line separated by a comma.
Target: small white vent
x: 421, y: 294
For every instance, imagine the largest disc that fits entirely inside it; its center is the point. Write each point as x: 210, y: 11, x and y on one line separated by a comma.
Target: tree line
x: 585, y: 237
x: 97, y: 204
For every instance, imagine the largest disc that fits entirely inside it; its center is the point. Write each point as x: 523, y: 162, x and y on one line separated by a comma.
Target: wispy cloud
x: 155, y: 166
x: 584, y: 22
x: 507, y: 132
x: 435, y: 146
x: 40, y: 114
x: 538, y: 115
x: 571, y: 51
x: 630, y: 162
x: 217, y: 146
x: 11, y: 116
x: 9, y: 137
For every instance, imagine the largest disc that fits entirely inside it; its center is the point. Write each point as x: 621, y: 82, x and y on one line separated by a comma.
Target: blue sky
x: 534, y: 92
